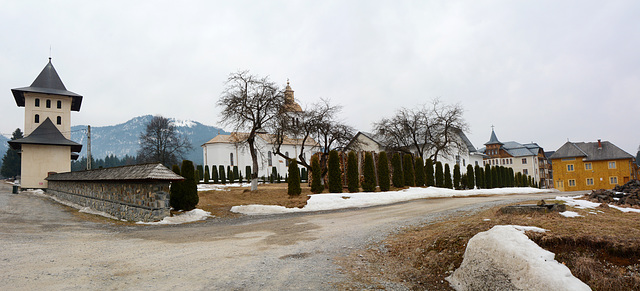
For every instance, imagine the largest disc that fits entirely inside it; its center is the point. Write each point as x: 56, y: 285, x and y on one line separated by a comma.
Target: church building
x: 46, y: 147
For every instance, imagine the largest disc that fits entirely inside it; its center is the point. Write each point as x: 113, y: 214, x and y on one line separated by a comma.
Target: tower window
x: 48, y: 103
x: 37, y: 102
x: 59, y: 104
x: 59, y: 120
x: 37, y: 118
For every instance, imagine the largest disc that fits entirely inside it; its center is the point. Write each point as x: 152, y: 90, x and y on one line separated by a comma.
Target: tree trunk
x: 254, y: 170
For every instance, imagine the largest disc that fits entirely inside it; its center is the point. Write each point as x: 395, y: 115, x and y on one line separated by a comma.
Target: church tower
x: 47, y: 126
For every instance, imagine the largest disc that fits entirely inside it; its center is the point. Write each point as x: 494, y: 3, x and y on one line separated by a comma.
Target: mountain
x: 122, y: 139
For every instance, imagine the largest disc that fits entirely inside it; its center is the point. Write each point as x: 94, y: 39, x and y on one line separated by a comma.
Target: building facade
x: 46, y: 147
x: 591, y: 165
x: 528, y: 159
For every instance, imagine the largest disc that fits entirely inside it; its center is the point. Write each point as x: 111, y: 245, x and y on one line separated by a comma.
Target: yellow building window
x: 587, y: 166
x: 613, y: 180
x: 560, y: 184
x: 570, y: 168
x: 612, y: 165
x: 589, y: 181
x: 572, y: 183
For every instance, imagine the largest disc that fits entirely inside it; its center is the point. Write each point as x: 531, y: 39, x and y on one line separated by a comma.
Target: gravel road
x: 43, y: 246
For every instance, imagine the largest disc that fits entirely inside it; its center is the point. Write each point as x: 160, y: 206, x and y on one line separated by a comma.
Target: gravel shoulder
x: 45, y: 246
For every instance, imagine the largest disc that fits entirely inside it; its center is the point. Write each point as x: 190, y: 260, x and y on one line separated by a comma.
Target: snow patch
x: 185, y: 217
x: 221, y: 187
x: 572, y: 214
x: 182, y: 123
x: 584, y: 204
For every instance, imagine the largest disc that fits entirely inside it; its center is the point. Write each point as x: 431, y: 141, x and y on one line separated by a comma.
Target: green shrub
x: 429, y: 179
x: 335, y: 175
x: 439, y: 175
x: 214, y: 174
x: 293, y: 183
x: 175, y: 192
x: 206, y: 174
x: 419, y: 169
x: 369, y: 183
x: 471, y: 180
x: 479, y: 176
x: 447, y: 177
x: 236, y: 174
x: 383, y: 172
x: 316, y: 175
x: 353, y: 178
x: 488, y: 180
x: 247, y: 172
x: 200, y: 172
x: 398, y: 175
x: 409, y: 173
x: 190, y: 186
x: 456, y: 177
x: 223, y: 178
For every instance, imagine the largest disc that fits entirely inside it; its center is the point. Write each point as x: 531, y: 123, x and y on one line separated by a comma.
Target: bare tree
x: 161, y: 143
x: 250, y: 103
x: 446, y: 131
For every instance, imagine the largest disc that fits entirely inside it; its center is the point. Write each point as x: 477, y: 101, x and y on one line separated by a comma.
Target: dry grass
x: 220, y: 202
x: 603, y: 250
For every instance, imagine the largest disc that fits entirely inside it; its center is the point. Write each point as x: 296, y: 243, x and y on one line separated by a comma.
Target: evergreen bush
x: 353, y: 178
x: 236, y: 174
x: 480, y: 177
x: 383, y: 172
x: 200, y: 172
x: 316, y: 175
x: 274, y: 175
x: 293, y: 182
x: 206, y: 174
x: 214, y: 174
x: 439, y: 175
x: 471, y: 179
x: 223, y: 178
x: 428, y: 173
x: 456, y: 177
x: 175, y: 192
x: 409, y: 172
x: 447, y: 177
x: 190, y: 187
x: 398, y: 173
x: 247, y: 172
x: 369, y: 183
x: 419, y: 171
x: 494, y: 177
x: 488, y: 180
x: 335, y: 175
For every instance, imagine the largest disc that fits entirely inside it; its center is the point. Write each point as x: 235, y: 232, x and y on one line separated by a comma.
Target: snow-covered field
x: 319, y: 202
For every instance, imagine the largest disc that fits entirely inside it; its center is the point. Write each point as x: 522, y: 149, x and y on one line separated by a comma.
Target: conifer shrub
x: 274, y: 175
x: 236, y: 174
x: 429, y: 179
x: 494, y: 177
x: 197, y: 174
x: 457, y: 177
x: 247, y: 171
x: 398, y: 172
x: 353, y: 178
x: 189, y: 187
x: 316, y: 175
x: 222, y: 176
x: 409, y: 172
x: 293, y: 183
x: 447, y: 177
x: 207, y: 175
x: 214, y: 174
x: 439, y: 175
x: 175, y: 192
x: 488, y: 180
x: 419, y: 169
x: 479, y: 172
x: 369, y: 182
x: 471, y: 179
x: 200, y: 172
x: 463, y: 181
x: 530, y: 181
x: 335, y: 175
x: 383, y: 172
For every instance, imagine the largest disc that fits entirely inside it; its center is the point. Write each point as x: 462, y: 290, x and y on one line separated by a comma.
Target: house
x: 591, y: 165
x: 467, y: 155
x: 46, y: 147
x: 528, y: 159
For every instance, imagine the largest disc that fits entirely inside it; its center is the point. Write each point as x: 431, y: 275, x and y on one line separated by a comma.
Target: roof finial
x: 49, y: 53
x: 287, y: 81
x: 492, y: 127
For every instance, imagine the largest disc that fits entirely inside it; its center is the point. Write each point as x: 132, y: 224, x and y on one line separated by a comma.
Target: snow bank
x: 506, y: 256
x: 185, y: 217
x: 584, y: 204
x: 220, y: 187
x: 320, y: 202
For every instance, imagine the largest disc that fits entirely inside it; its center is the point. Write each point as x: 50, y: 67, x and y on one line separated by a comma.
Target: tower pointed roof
x: 46, y: 134
x: 48, y: 82
x: 493, y: 139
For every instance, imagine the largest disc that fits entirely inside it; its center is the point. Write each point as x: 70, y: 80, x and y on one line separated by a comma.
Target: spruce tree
x: 428, y: 173
x: 488, y: 180
x: 222, y: 176
x: 175, y: 193
x: 383, y: 172
x: 206, y: 174
x: 369, y: 183
x: 471, y: 179
x: 398, y: 175
x: 512, y: 179
x: 480, y: 177
x: 419, y: 169
x: 456, y: 177
x: 189, y: 188
x: 409, y: 173
x: 335, y: 175
x: 439, y: 175
x: 293, y: 183
x: 447, y: 177
x: 236, y: 174
x: 316, y: 175
x: 353, y: 178
x: 495, y: 176
x: 214, y: 174
x: 11, y: 161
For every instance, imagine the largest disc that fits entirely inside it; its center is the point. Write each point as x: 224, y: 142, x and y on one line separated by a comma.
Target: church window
x: 231, y: 159
x: 269, y: 160
x: 525, y: 171
x: 48, y: 103
x: 37, y: 118
x: 37, y: 102
x: 59, y: 103
x: 59, y: 120
x: 524, y: 161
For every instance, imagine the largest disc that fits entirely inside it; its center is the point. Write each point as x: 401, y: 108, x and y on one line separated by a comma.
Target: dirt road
x: 44, y: 246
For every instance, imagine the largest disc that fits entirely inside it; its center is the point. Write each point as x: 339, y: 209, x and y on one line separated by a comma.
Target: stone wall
x: 129, y: 200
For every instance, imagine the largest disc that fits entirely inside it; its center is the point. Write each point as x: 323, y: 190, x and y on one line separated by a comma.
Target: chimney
x: 599, y: 144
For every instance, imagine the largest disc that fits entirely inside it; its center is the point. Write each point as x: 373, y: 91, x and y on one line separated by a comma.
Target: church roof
x: 590, y: 151
x: 493, y: 139
x: 134, y: 172
x: 46, y: 134
x: 48, y: 82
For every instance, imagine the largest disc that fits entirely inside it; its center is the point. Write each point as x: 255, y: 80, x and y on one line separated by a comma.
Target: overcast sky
x: 539, y: 71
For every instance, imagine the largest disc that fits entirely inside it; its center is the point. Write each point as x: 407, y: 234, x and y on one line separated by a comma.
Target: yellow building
x: 591, y: 165
x: 46, y: 146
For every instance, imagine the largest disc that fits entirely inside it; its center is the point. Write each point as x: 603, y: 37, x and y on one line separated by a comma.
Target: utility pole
x: 88, y: 147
